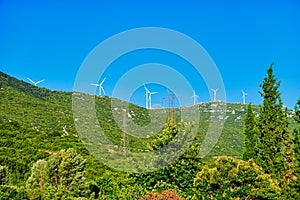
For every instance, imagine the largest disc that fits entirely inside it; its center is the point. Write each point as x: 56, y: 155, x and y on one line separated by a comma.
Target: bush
x: 233, y: 178
x: 12, y: 192
x: 113, y: 185
x: 165, y: 195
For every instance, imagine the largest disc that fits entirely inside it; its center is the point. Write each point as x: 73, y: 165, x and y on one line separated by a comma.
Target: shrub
x: 165, y: 195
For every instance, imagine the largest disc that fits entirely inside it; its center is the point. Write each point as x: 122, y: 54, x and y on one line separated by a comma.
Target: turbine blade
x: 146, y: 89
x: 31, y: 80
x: 102, y: 81
x: 101, y: 88
x: 39, y: 81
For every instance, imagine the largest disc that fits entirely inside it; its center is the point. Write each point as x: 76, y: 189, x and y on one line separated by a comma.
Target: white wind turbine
x: 100, y: 88
x: 35, y: 83
x: 195, y: 97
x: 148, y: 97
x: 244, y: 96
x: 215, y: 93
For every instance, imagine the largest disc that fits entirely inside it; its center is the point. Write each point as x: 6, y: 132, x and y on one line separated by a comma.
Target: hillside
x: 51, y: 112
x: 37, y: 123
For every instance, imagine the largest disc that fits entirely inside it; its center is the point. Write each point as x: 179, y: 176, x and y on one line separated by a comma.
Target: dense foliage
x: 296, y: 149
x: 250, y: 131
x: 165, y: 195
x: 60, y: 176
x: 43, y: 157
x: 232, y: 178
x: 270, y: 142
x: 274, y: 140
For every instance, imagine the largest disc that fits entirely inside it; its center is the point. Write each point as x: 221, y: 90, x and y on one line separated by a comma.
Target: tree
x: 231, y: 178
x: 179, y: 174
x: 3, y: 174
x: 294, y: 185
x: 296, y: 144
x: 250, y: 132
x: 61, y: 176
x: 274, y: 142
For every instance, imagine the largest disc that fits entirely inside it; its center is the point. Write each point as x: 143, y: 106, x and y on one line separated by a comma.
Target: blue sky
x: 50, y: 40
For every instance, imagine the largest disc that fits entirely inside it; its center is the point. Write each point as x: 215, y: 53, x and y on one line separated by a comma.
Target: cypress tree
x: 250, y: 132
x: 296, y: 142
x: 274, y: 142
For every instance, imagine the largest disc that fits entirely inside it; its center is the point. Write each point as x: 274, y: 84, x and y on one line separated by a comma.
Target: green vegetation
x: 43, y: 157
x: 232, y: 178
x: 60, y: 176
x: 274, y: 147
x: 296, y: 149
x: 165, y: 195
x: 274, y: 140
x: 250, y: 130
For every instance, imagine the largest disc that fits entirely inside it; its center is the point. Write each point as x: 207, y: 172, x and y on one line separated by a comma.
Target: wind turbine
x: 195, y: 97
x: 148, y: 97
x: 244, y: 96
x: 100, y: 88
x: 35, y: 83
x: 215, y: 93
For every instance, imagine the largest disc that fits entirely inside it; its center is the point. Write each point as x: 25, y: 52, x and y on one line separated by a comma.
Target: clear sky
x: 50, y: 39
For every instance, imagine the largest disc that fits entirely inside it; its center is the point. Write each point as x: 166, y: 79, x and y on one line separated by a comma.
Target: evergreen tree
x: 274, y: 142
x: 59, y: 177
x: 250, y: 131
x: 296, y: 142
x: 294, y: 187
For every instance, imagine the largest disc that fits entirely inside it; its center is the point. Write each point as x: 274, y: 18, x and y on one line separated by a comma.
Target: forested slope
x: 37, y: 123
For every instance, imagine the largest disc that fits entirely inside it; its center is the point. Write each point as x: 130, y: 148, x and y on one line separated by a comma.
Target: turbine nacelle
x: 100, y: 88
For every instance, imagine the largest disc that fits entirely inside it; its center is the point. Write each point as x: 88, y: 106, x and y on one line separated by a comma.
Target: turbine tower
x: 99, y: 86
x: 195, y: 98
x: 150, y: 101
x: 147, y: 96
x: 244, y: 96
x: 215, y: 93
x: 35, y: 83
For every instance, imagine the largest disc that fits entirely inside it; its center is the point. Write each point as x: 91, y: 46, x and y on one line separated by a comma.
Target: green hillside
x: 36, y: 123
x: 51, y: 112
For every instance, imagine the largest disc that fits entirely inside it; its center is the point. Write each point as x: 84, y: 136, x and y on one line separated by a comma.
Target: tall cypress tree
x: 274, y: 141
x: 250, y: 132
x: 296, y: 142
